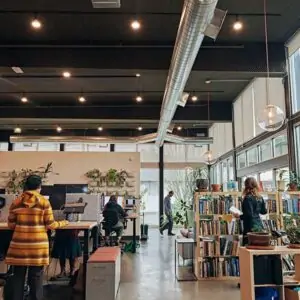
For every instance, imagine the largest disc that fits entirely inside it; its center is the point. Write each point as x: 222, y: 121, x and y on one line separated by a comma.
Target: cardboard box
x: 291, y: 295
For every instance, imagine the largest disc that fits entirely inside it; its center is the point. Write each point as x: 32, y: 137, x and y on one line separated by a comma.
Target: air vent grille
x: 106, y: 3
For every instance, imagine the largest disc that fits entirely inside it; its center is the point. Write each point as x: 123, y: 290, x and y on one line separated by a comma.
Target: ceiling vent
x: 106, y: 3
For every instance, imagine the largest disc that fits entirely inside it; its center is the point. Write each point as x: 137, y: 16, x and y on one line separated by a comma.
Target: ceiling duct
x: 147, y: 138
x: 106, y: 3
x: 199, y: 18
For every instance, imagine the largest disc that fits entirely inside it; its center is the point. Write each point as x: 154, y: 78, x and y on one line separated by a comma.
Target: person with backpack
x: 114, y: 216
x: 30, y: 217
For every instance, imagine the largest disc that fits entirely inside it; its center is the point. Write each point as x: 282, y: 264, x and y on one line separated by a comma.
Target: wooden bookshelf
x: 216, y: 226
x: 249, y: 281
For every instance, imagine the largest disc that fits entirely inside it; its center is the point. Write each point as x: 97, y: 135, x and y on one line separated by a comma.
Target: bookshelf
x: 262, y: 269
x: 219, y: 235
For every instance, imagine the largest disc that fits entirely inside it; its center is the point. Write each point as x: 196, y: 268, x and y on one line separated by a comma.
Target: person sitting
x: 30, y: 217
x: 114, y: 216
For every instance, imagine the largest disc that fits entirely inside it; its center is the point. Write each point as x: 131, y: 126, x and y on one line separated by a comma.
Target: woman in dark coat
x: 253, y: 206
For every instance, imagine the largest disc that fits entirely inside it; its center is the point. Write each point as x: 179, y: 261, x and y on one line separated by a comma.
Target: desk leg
x: 85, y: 259
x: 95, y: 234
x: 134, y: 237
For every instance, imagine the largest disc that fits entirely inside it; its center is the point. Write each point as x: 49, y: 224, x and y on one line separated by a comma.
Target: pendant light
x: 271, y: 118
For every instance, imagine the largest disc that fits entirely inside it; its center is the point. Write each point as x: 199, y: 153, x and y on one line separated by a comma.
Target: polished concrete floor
x: 149, y: 275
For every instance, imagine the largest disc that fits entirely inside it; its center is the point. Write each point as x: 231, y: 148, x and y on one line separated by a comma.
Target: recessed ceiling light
x: 194, y: 98
x: 179, y: 128
x: 207, y: 81
x: 81, y: 99
x: 139, y: 99
x: 100, y: 128
x: 58, y: 129
x: 135, y: 25
x: 237, y: 25
x: 140, y: 128
x: 17, y: 70
x: 66, y: 74
x: 36, y: 23
x: 138, y: 75
x: 17, y: 130
x: 24, y: 99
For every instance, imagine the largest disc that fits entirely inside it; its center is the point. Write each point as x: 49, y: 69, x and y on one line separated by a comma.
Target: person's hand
x: 236, y: 215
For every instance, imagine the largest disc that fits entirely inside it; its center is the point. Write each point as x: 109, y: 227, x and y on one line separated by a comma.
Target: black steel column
x: 161, y: 184
x: 112, y: 147
x: 62, y: 147
x: 234, y: 145
x: 10, y: 146
x: 290, y: 125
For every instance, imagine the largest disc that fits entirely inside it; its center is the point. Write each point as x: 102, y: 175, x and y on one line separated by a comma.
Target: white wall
x: 250, y: 102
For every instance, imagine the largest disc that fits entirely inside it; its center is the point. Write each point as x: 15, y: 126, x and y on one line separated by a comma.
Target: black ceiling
x: 103, y: 54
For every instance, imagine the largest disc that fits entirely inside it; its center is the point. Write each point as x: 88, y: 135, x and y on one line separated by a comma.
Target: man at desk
x: 30, y: 216
x: 114, y: 215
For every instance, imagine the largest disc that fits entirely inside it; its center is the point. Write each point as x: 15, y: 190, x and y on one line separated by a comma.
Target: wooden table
x: 133, y: 217
x: 87, y: 227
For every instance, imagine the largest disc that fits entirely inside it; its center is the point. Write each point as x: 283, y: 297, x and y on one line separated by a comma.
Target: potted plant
x: 281, y: 182
x: 294, y: 181
x: 121, y: 178
x: 202, y: 182
x: 111, y: 177
x: 259, y: 237
x: 181, y: 215
x: 292, y: 229
x: 216, y: 187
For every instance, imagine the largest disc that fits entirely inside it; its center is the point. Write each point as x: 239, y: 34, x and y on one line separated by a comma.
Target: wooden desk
x: 87, y: 227
x: 133, y: 217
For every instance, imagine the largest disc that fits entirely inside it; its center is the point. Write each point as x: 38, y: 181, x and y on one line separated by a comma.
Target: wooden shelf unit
x: 247, y: 276
x: 236, y: 196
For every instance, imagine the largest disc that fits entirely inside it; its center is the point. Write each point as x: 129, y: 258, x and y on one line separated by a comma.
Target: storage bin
x: 266, y: 293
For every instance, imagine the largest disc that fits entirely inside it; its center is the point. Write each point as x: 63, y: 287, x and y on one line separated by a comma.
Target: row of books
x: 217, y: 205
x: 219, y: 247
x: 291, y: 206
x: 220, y: 267
x: 216, y: 227
x: 270, y: 225
x: 271, y: 206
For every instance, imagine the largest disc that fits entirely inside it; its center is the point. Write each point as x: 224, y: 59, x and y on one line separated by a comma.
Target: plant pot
x: 293, y: 187
x: 259, y: 238
x: 202, y: 184
x: 216, y: 187
x: 281, y: 186
x: 294, y: 246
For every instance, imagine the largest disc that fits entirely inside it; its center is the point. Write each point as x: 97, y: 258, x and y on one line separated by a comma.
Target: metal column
x: 161, y: 184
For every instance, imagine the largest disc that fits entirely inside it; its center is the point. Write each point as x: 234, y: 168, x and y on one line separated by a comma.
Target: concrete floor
x: 149, y: 275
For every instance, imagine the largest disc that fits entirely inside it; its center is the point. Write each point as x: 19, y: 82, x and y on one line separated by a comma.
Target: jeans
x: 17, y: 282
x: 169, y: 224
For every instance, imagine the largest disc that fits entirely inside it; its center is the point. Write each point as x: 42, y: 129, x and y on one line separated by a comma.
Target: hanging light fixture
x: 237, y: 25
x: 271, y: 118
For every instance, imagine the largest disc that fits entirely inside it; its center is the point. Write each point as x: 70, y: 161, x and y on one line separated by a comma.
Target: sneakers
x: 161, y: 232
x: 171, y: 234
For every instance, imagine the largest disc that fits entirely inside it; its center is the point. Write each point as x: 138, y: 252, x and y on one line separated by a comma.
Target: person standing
x: 168, y: 212
x: 30, y: 216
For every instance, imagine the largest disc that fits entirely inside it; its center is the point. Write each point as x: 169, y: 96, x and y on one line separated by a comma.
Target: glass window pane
x: 125, y: 147
x: 241, y: 161
x: 149, y: 153
x: 230, y: 169
x: 174, y: 153
x: 25, y: 147
x: 48, y: 146
x: 74, y: 147
x: 265, y: 151
x: 297, y: 136
x: 97, y: 147
x: 252, y: 158
x: 224, y: 172
x: 280, y: 145
x: 3, y: 146
x: 195, y: 154
x: 295, y: 80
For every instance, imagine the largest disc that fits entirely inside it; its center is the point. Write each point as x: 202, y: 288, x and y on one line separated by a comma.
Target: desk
x: 133, y: 217
x: 87, y: 228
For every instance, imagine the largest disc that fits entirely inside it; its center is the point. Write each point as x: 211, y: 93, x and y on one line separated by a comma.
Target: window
x: 174, y: 153
x: 252, y: 158
x: 79, y: 147
x: 3, y: 146
x: 48, y: 147
x: 149, y: 153
x: 295, y: 80
x: 280, y: 145
x: 76, y: 147
x: 297, y: 138
x: 125, y: 148
x: 267, y: 180
x: 265, y: 151
x: 241, y: 161
x: 230, y: 169
x: 224, y: 172
x: 25, y: 146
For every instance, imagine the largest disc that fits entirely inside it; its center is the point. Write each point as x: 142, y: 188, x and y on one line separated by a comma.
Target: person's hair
x: 251, y: 187
x: 113, y: 198
x: 33, y: 182
x: 171, y: 192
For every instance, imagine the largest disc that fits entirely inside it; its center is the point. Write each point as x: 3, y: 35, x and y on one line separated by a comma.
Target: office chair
x: 111, y: 218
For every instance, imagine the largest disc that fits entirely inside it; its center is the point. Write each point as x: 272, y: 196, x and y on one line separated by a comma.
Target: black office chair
x: 111, y: 218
